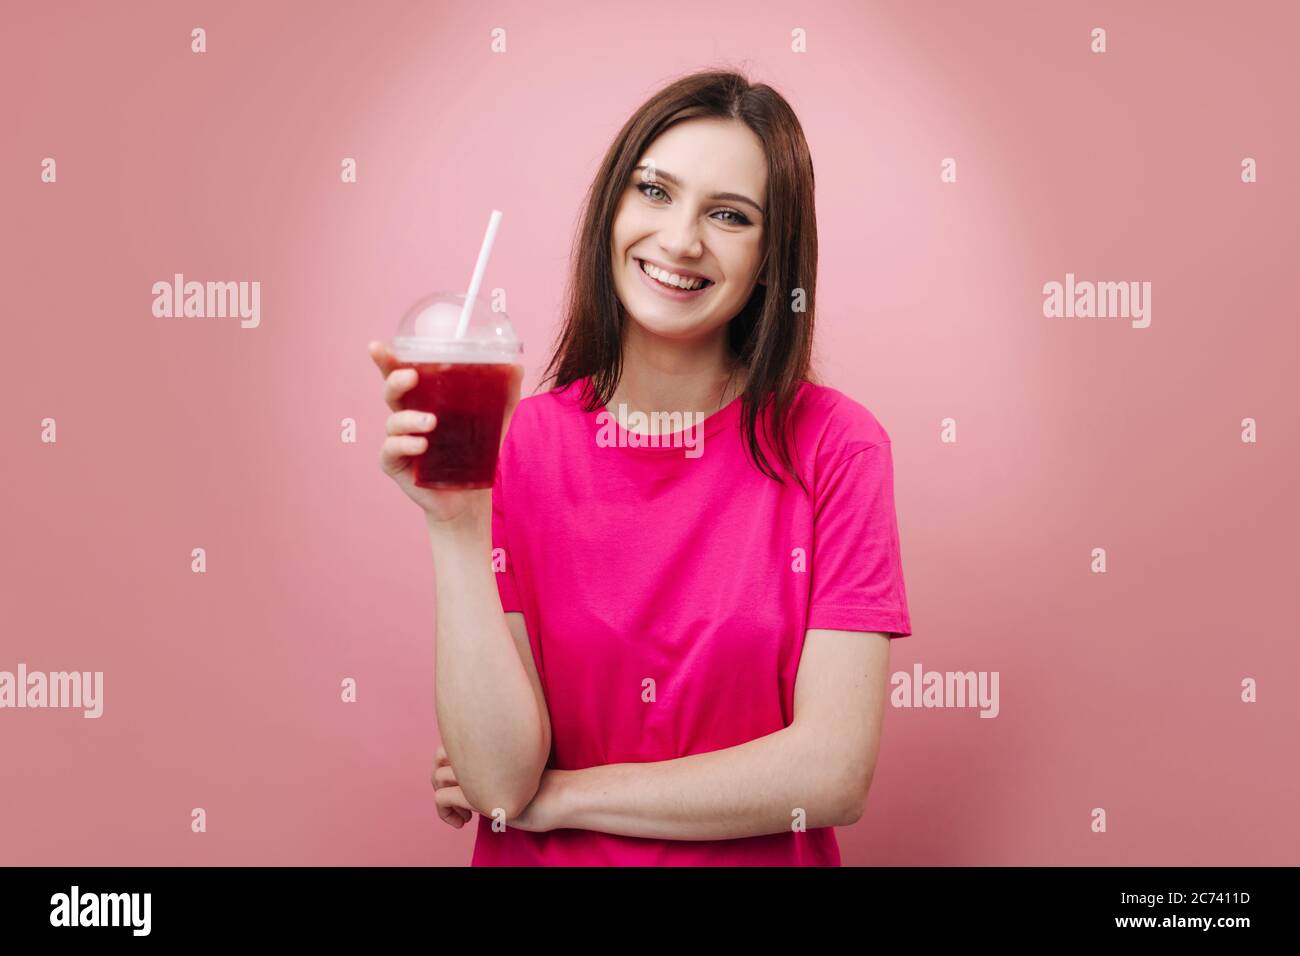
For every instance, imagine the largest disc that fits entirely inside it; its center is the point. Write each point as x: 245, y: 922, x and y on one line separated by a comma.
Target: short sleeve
x: 857, y: 569
x: 503, y: 560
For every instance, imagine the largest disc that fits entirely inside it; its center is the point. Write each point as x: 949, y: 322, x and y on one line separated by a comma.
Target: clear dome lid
x: 427, y: 332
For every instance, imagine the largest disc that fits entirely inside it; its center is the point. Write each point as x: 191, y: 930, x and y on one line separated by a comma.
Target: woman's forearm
x: 487, y: 711
x: 758, y: 787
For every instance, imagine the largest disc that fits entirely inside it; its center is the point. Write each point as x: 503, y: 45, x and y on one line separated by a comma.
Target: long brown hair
x: 769, y: 336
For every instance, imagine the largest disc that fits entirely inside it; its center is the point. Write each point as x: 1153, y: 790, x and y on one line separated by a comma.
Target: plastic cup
x: 464, y: 380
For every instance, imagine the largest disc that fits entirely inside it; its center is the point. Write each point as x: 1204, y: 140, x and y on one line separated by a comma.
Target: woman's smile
x: 668, y: 287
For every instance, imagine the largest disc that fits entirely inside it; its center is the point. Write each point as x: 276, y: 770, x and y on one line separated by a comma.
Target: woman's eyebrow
x: 670, y: 178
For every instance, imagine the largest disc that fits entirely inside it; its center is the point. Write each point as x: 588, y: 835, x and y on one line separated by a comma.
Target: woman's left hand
x: 540, y: 816
x: 453, y: 808
x: 543, y: 812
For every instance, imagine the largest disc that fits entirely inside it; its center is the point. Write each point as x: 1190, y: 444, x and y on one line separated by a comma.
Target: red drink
x: 466, y: 361
x: 469, y: 400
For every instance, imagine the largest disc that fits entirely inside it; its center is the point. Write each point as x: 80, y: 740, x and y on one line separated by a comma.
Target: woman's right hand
x: 406, y: 441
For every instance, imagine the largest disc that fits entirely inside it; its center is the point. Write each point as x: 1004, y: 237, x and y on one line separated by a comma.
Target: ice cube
x: 438, y: 321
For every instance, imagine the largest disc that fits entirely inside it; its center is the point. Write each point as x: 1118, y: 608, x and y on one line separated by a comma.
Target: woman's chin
x: 669, y: 327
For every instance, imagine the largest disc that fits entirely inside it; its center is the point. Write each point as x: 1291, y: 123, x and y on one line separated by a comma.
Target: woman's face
x: 693, y: 207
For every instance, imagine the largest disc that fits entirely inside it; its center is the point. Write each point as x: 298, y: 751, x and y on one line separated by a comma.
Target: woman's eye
x: 739, y: 219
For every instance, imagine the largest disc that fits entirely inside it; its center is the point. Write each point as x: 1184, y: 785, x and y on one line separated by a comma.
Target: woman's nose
x: 681, y: 237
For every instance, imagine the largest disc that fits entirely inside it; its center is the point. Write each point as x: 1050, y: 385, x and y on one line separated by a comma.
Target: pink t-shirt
x: 689, y: 567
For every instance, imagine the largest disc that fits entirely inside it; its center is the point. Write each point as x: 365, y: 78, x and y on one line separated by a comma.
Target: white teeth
x: 670, y: 278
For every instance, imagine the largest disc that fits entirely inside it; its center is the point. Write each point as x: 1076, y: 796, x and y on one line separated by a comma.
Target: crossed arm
x: 818, y: 769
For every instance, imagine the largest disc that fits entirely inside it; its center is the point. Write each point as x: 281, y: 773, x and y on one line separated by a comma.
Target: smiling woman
x: 711, y: 178
x: 687, y: 662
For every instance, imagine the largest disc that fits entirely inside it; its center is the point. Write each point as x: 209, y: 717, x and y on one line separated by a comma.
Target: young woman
x: 670, y: 646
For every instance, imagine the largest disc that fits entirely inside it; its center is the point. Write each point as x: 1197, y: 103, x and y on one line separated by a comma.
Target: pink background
x: 1118, y: 690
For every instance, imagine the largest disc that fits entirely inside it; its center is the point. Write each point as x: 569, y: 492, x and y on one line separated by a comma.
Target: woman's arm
x: 490, y: 706
x: 821, y: 764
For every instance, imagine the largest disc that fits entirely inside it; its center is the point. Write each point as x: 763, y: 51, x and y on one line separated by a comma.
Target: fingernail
x: 427, y: 419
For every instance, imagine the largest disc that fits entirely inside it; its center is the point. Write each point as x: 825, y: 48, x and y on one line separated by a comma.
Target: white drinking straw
x: 479, y: 269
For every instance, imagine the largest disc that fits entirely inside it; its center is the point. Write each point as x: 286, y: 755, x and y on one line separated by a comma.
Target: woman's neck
x: 670, y: 377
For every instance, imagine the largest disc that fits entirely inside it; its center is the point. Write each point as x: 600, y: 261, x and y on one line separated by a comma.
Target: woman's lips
x: 668, y: 291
